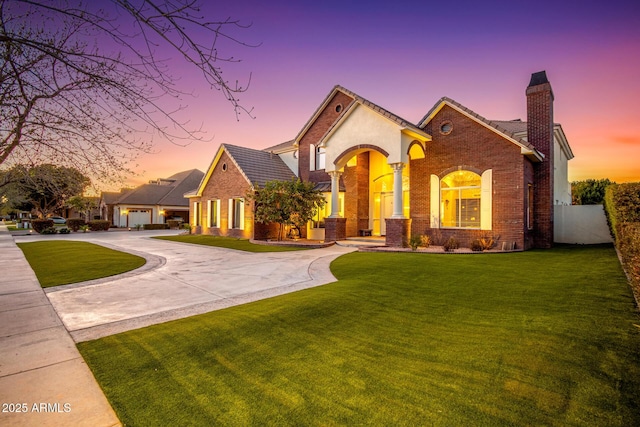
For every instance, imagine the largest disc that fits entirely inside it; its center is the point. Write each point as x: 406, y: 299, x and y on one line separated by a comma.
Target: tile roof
x: 259, y: 166
x: 170, y: 194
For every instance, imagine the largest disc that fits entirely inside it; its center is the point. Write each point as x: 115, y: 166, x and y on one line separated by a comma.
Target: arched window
x: 460, y: 194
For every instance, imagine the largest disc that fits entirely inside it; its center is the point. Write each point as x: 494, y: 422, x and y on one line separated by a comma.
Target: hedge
x: 39, y: 225
x: 156, y: 226
x: 75, y: 223
x: 99, y: 225
x: 622, y: 204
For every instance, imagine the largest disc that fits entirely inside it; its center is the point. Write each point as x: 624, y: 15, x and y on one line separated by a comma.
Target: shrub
x: 414, y: 242
x: 476, y: 245
x: 485, y: 240
x: 64, y: 230
x: 49, y: 230
x: 156, y: 226
x: 75, y: 223
x: 39, y: 225
x: 425, y: 241
x: 173, y: 223
x: 98, y: 225
x: 451, y: 244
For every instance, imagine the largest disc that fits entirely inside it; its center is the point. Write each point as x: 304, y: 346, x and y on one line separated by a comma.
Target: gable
x: 526, y: 149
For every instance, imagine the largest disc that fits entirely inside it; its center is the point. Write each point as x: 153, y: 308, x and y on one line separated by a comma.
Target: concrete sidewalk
x: 43, y: 379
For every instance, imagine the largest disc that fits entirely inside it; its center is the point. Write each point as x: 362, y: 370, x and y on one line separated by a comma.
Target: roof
x: 169, y: 193
x: 282, y: 147
x: 357, y: 100
x: 507, y: 129
x: 259, y: 166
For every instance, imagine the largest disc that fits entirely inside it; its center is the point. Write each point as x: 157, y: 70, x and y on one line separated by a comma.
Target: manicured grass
x: 58, y: 262
x: 533, y: 338
x: 229, y: 243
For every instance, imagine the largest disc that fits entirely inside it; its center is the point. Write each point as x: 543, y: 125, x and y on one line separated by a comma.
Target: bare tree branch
x: 85, y: 85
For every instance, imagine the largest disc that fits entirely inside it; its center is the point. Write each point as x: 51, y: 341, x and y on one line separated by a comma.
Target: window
x: 197, y: 212
x: 213, y: 209
x: 460, y: 200
x: 317, y: 158
x: 236, y: 213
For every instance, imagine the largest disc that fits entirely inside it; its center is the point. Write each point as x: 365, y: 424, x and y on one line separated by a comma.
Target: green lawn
x: 229, y: 243
x: 533, y: 338
x: 61, y: 262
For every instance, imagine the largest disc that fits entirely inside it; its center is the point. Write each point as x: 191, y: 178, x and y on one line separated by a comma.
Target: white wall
x: 582, y: 224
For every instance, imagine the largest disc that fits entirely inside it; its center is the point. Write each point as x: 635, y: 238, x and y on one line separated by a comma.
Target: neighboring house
x: 454, y: 173
x: 151, y: 203
x: 219, y: 206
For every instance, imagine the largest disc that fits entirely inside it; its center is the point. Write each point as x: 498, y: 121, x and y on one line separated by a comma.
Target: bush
x: 451, y: 244
x: 476, y: 245
x: 64, y: 230
x: 39, y: 225
x: 156, y: 226
x: 414, y: 242
x: 173, y: 223
x: 49, y: 230
x: 75, y: 223
x: 425, y: 241
x: 98, y: 225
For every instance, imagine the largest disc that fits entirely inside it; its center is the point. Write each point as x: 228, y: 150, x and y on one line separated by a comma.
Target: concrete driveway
x: 179, y: 280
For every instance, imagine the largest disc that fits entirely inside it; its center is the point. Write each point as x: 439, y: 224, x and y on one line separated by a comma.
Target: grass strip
x: 537, y: 338
x: 61, y: 262
x: 229, y: 243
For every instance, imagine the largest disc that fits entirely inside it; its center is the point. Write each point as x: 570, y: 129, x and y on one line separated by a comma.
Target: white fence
x: 581, y: 224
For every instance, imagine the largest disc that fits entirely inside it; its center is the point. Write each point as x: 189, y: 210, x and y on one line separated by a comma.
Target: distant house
x: 454, y: 173
x: 153, y: 203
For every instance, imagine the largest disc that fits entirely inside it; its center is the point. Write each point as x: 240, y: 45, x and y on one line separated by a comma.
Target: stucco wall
x: 582, y: 224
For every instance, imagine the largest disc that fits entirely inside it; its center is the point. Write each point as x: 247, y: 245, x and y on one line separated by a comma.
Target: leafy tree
x: 48, y: 187
x: 589, y: 192
x: 80, y: 81
x: 83, y: 205
x: 288, y: 203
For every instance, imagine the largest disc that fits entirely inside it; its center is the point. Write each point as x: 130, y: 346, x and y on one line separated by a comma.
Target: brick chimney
x: 540, y: 135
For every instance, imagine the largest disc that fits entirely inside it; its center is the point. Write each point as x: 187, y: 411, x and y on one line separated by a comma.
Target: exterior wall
x: 317, y: 130
x: 581, y: 224
x: 561, y: 183
x: 356, y: 199
x: 540, y: 135
x: 224, y: 185
x: 470, y: 146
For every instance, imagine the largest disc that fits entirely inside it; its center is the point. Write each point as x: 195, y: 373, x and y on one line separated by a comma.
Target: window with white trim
x: 236, y: 213
x: 460, y: 200
x: 317, y: 155
x: 197, y: 213
x: 213, y: 212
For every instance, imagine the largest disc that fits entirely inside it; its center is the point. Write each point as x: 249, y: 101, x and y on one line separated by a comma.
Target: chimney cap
x: 538, y: 78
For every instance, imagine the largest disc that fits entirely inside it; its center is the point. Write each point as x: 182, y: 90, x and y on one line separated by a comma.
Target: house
x: 454, y: 173
x: 152, y: 203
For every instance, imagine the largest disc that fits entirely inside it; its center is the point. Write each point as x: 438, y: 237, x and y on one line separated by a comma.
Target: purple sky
x: 406, y: 55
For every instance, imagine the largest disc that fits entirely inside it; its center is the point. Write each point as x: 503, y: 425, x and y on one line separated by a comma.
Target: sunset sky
x: 406, y: 55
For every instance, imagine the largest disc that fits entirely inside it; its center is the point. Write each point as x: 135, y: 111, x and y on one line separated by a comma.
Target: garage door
x: 139, y: 216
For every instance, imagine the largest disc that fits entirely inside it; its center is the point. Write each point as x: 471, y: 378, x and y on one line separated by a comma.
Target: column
x: 398, y: 204
x: 335, y: 192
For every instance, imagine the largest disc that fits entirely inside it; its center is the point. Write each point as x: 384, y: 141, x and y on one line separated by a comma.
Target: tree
x: 48, y: 187
x: 589, y: 192
x: 288, y: 203
x: 83, y: 205
x: 80, y: 81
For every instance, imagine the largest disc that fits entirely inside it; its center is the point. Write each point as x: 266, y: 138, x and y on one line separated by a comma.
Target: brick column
x: 398, y: 232
x: 335, y: 229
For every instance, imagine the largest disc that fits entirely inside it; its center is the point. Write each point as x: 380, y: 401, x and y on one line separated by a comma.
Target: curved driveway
x: 179, y: 280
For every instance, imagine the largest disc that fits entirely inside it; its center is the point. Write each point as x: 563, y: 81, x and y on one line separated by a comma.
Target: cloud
x: 627, y: 139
